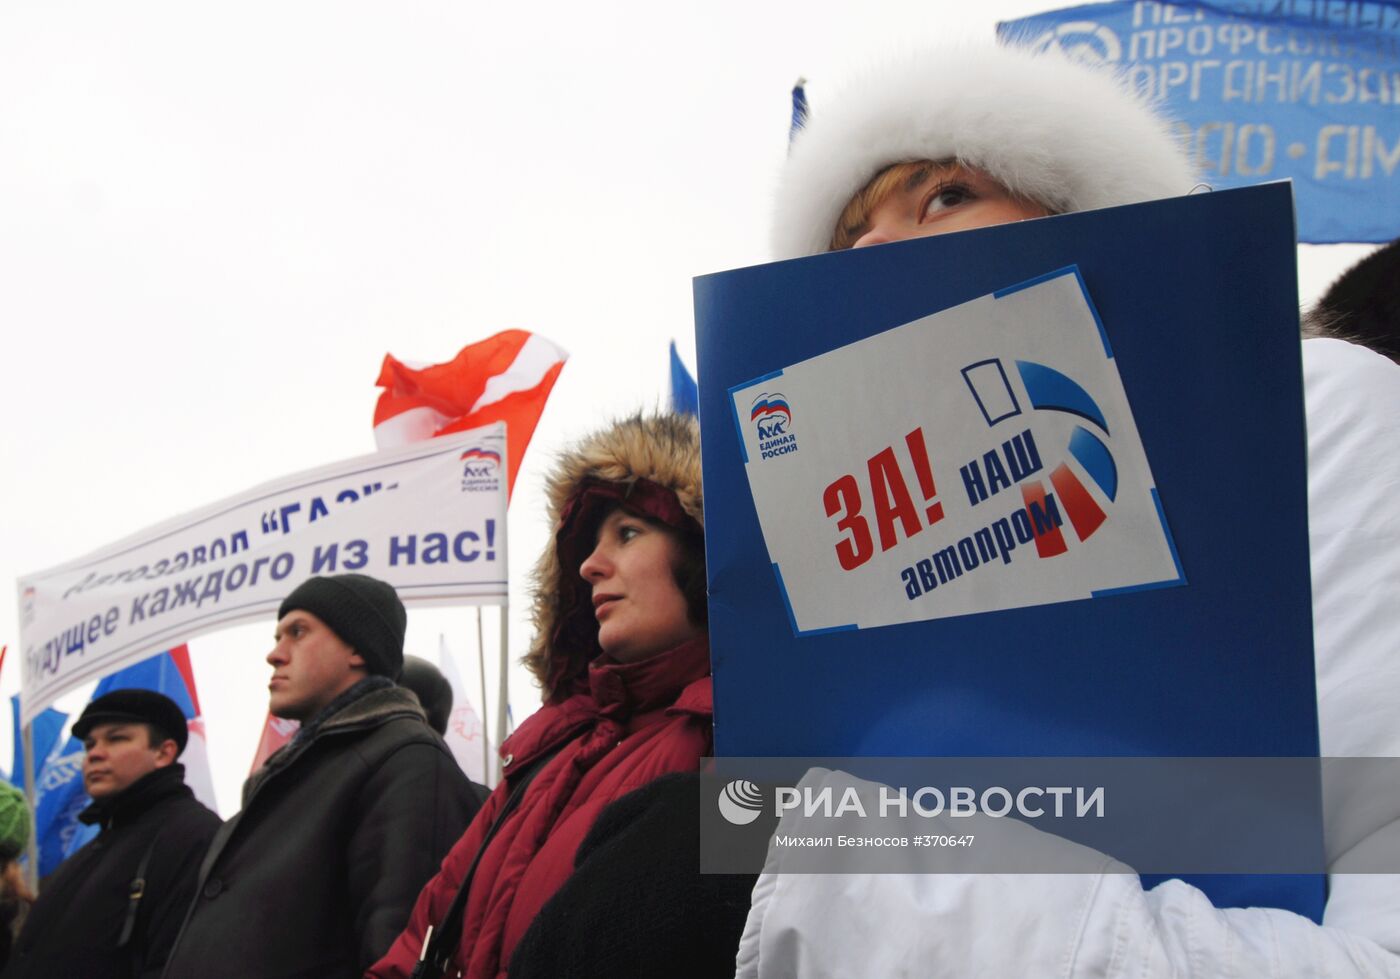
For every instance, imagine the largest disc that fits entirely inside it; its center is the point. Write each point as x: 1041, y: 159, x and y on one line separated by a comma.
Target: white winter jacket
x: 1103, y: 923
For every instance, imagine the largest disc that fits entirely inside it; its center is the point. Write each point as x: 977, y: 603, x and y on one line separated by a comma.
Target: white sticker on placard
x: 978, y: 459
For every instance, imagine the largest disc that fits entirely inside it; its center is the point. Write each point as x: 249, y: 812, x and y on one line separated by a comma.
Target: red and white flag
x: 465, y: 734
x: 277, y: 731
x: 198, y: 775
x: 506, y: 377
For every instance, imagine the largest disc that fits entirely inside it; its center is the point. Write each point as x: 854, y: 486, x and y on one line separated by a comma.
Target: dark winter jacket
x: 637, y: 722
x: 338, y: 833
x: 637, y: 904
x: 73, y: 929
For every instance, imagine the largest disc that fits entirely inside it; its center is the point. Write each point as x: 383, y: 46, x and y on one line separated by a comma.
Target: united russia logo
x: 481, y: 469
x: 771, y: 417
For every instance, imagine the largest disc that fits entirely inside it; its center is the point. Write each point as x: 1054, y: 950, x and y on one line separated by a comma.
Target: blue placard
x: 1263, y: 90
x: 1198, y: 298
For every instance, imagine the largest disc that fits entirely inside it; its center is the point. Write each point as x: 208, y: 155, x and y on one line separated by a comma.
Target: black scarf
x: 137, y: 797
x: 368, y: 685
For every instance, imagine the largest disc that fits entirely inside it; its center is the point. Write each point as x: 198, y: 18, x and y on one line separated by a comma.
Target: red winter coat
x: 636, y: 722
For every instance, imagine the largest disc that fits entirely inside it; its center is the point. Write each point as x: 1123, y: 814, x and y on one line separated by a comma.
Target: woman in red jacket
x: 621, y: 651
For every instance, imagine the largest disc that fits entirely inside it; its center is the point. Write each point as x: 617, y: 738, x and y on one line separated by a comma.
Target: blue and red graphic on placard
x: 1047, y: 390
x: 771, y: 416
x: 480, y: 462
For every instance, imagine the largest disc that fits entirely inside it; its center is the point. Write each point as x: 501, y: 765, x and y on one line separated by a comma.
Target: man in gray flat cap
x: 342, y: 827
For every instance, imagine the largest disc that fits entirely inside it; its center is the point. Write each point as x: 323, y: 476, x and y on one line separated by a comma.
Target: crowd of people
x: 338, y: 830
x: 361, y: 849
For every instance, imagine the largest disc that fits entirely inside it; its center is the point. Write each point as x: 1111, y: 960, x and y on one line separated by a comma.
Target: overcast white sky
x: 215, y: 219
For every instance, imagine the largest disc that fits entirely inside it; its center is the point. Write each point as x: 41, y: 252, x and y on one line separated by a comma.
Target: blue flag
x: 46, y: 729
x: 58, y: 775
x: 799, y: 108
x: 159, y: 673
x: 61, y: 798
x: 1305, y: 92
x: 685, y: 395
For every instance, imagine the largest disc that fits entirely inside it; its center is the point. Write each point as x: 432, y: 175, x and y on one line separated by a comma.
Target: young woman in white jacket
x: 969, y: 138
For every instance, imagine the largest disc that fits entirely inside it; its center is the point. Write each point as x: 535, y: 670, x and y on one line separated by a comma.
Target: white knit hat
x: 1065, y: 135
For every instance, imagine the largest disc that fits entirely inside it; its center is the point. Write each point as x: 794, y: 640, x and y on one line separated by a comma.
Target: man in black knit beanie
x: 342, y: 827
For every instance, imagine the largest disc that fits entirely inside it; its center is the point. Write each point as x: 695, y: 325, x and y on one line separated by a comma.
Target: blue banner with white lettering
x: 1263, y: 90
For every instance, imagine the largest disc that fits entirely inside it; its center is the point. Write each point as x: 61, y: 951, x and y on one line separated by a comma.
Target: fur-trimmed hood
x: 1055, y: 131
x: 663, y: 449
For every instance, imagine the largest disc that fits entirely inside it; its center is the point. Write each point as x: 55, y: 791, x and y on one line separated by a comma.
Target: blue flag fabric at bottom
x: 1212, y: 370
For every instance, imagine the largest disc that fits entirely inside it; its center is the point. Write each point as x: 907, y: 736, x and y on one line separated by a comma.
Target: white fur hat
x: 1055, y: 131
